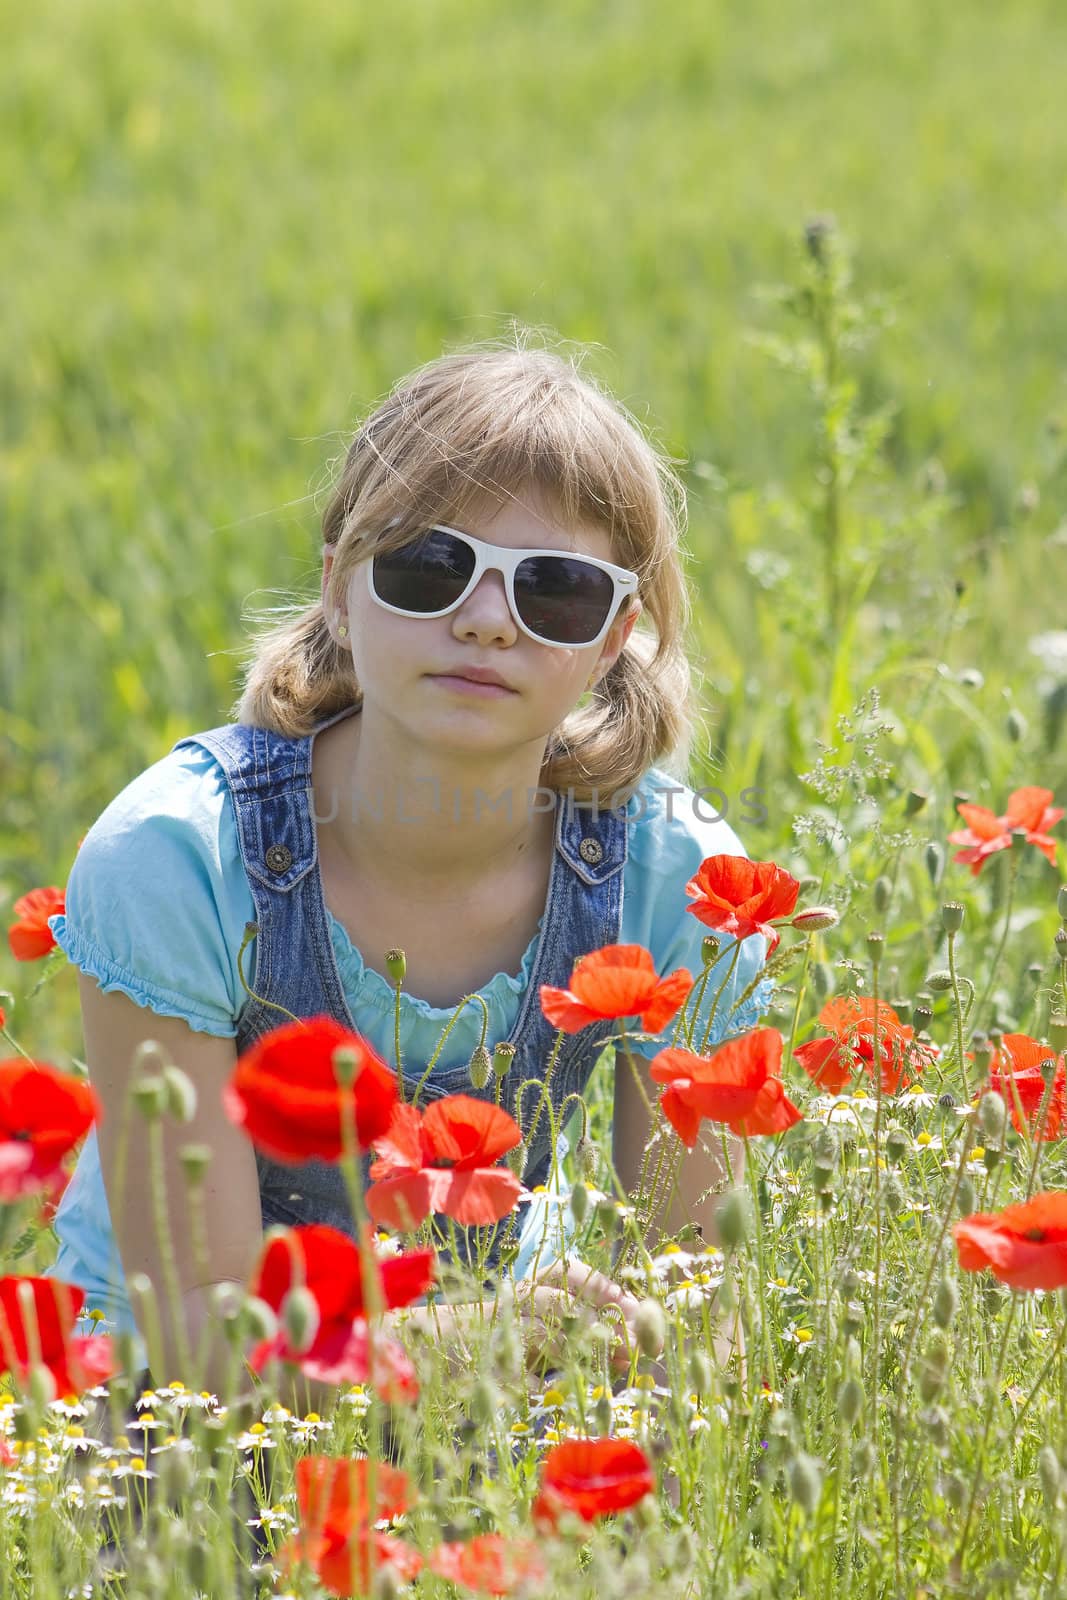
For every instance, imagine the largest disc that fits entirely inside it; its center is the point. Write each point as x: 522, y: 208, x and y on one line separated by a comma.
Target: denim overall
x: 269, y: 779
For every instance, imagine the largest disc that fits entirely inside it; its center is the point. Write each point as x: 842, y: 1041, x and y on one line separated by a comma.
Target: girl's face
x: 403, y: 663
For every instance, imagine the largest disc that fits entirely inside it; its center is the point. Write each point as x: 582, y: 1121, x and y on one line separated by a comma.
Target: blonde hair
x: 485, y: 423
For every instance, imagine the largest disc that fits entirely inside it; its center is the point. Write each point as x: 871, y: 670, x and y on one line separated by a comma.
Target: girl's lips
x: 469, y: 686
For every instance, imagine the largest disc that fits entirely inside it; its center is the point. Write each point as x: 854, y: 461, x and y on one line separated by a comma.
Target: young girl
x: 467, y: 751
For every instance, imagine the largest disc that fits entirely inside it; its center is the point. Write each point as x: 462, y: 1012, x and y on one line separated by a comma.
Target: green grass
x: 228, y: 231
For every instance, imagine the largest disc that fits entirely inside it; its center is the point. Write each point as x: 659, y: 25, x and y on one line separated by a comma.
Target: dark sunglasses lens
x: 563, y: 599
x: 427, y: 575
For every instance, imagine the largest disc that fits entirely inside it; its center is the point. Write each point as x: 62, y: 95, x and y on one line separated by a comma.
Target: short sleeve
x: 667, y: 841
x: 157, y: 898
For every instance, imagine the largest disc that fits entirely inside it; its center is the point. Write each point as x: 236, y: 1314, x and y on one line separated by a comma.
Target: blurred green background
x: 227, y: 230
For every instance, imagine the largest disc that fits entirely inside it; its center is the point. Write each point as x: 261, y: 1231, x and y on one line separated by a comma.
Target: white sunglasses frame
x: 498, y: 558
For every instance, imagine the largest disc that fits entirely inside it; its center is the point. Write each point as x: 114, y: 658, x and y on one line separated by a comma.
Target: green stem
x: 1013, y: 871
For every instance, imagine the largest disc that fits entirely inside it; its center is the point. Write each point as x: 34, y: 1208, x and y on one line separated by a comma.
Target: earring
x: 342, y: 629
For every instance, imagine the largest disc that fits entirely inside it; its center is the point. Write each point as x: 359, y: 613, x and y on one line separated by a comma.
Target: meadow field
x: 817, y: 251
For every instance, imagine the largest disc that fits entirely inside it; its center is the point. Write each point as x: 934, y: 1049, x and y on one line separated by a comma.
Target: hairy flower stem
x: 1013, y: 873
x: 957, y: 1009
x: 371, y: 1282
x: 956, y: 1566
x: 453, y: 1019
x: 718, y: 995
x: 876, y: 1168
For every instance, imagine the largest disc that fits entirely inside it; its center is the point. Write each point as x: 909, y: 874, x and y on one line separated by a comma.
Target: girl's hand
x: 565, y: 1289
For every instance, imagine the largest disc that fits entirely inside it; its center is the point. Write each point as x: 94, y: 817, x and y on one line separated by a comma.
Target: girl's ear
x: 618, y: 634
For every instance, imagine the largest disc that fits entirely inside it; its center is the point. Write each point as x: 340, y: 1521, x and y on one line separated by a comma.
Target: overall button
x: 279, y: 858
x: 592, y: 851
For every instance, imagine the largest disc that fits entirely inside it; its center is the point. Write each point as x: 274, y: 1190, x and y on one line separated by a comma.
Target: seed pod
x: 850, y: 1398
x: 300, y: 1318
x: 946, y: 1302
x: 1049, y: 1473
x: 650, y: 1330
x: 195, y: 1159
x: 396, y: 965
x: 579, y: 1203
x: 1057, y: 1032
x: 503, y: 1056
x: 346, y: 1066
x: 915, y: 802
x: 150, y: 1097
x: 734, y: 1218
x: 709, y: 948
x: 481, y: 1064
x: 952, y: 914
x: 1060, y: 942
x: 922, y: 1015
x: 992, y: 1114
x: 805, y: 1482
x: 179, y: 1094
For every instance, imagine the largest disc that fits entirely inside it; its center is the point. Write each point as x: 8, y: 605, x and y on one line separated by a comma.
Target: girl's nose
x: 485, y: 612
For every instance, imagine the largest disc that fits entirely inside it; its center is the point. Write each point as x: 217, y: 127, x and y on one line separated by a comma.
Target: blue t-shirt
x: 156, y: 907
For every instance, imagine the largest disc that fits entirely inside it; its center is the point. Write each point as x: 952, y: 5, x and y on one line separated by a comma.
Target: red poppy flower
x: 619, y: 980
x: 76, y: 1364
x: 1015, y: 1074
x: 336, y: 1535
x: 742, y: 897
x: 31, y: 937
x: 986, y: 833
x: 740, y: 1085
x: 1024, y: 1246
x: 489, y: 1563
x: 442, y: 1160
x: 832, y: 1062
x: 285, y: 1094
x: 593, y: 1478
x: 43, y: 1114
x: 342, y: 1350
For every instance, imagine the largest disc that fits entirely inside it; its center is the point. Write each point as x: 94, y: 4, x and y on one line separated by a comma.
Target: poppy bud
x: 1015, y: 725
x: 345, y: 1066
x: 896, y: 1144
x: 821, y: 1178
x: 966, y: 1199
x: 852, y: 1319
x: 940, y: 980
x: 300, y: 1318
x: 709, y: 948
x: 734, y: 1218
x: 822, y: 979
x: 971, y: 678
x: 850, y: 1398
x: 481, y: 1064
x: 983, y: 1053
x: 933, y: 1368
x: 579, y: 1203
x: 805, y: 1482
x: 194, y: 1159
x: 603, y: 1415
x: 850, y: 1281
x: 259, y: 1318
x: 150, y: 1095
x: 806, y: 884
x: 650, y: 1330
x: 952, y: 914
x: 1049, y: 1473
x: 516, y: 1159
x: 1057, y: 1032
x: 607, y: 1218
x: 893, y: 1195
x: 946, y: 1302
x: 585, y: 1158
x: 914, y: 802
x: 396, y: 965
x: 936, y: 1423
x: 41, y: 1387
x: 1060, y: 941
x: 1061, y: 902
x: 992, y: 1114
x: 815, y: 918
x: 934, y: 862
x: 503, y: 1056
x: 864, y: 1458
x: 179, y: 1094
x: 882, y: 893
x: 700, y: 1371
x: 485, y: 1401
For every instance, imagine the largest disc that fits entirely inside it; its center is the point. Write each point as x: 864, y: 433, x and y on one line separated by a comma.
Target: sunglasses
x: 557, y: 599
